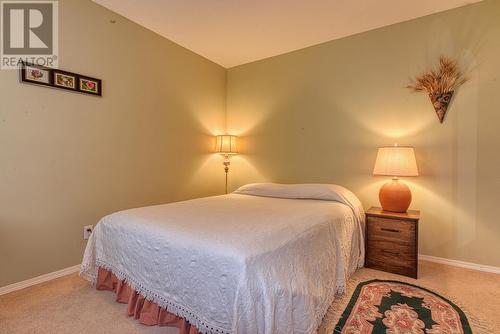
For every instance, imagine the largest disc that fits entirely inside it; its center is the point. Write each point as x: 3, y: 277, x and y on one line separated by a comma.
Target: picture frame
x: 36, y: 74
x: 89, y: 85
x: 65, y: 80
x: 55, y: 78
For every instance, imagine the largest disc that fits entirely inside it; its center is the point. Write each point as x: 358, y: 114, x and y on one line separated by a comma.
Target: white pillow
x: 326, y: 192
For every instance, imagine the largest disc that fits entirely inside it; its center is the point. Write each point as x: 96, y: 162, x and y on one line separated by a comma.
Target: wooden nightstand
x: 392, y: 241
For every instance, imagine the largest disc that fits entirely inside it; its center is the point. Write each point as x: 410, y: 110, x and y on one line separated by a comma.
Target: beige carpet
x: 70, y: 305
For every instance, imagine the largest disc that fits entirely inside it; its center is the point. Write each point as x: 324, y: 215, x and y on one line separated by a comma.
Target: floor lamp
x: 226, y: 145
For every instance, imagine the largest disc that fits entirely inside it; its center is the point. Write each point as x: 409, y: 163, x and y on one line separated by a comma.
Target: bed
x: 267, y: 258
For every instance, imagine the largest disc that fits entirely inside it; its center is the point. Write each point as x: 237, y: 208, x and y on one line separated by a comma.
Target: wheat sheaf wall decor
x: 440, y: 84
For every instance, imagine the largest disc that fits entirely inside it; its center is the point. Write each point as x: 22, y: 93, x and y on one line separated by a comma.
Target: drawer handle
x: 389, y: 252
x: 390, y: 230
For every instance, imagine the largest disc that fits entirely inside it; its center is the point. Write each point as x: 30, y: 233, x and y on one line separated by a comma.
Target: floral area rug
x: 394, y: 307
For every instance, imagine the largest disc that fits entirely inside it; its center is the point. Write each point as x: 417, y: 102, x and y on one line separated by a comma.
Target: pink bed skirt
x: 147, y: 312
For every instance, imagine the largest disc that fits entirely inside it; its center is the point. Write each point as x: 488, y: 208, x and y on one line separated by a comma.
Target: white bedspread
x: 239, y: 263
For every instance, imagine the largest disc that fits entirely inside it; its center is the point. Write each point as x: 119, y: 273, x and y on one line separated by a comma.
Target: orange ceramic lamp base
x: 395, y: 196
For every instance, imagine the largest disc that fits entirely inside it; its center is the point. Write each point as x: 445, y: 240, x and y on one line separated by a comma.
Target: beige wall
x: 318, y: 115
x: 68, y: 159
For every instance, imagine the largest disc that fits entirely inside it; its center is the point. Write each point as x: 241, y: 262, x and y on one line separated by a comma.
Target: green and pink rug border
x: 355, y: 295
x: 475, y: 324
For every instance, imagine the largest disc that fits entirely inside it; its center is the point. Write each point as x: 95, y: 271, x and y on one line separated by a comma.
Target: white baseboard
x: 67, y: 271
x: 39, y: 279
x: 461, y: 264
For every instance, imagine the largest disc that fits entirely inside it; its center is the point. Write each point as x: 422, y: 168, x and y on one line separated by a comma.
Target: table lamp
x: 226, y: 145
x: 395, y: 161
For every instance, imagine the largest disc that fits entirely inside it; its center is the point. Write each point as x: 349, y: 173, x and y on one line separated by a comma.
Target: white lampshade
x: 226, y: 144
x: 396, y: 161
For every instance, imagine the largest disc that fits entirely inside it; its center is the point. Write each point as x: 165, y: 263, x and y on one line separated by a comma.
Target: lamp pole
x: 226, y: 164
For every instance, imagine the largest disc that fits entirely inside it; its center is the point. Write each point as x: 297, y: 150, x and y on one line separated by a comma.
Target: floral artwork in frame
x: 90, y: 85
x: 64, y: 80
x: 36, y: 74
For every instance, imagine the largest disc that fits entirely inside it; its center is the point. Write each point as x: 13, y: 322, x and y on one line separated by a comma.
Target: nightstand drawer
x: 393, y: 264
x: 387, y: 256
x: 396, y: 231
x: 391, y: 250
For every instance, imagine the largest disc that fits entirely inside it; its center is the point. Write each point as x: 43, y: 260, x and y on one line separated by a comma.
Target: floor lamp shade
x: 395, y: 161
x: 226, y: 144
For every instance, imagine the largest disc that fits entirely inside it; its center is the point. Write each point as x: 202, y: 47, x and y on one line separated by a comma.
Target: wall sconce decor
x: 440, y: 84
x: 226, y: 145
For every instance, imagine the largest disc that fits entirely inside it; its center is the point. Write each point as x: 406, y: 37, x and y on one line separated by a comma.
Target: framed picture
x: 90, y: 85
x: 36, y: 74
x: 65, y: 80
x: 55, y: 78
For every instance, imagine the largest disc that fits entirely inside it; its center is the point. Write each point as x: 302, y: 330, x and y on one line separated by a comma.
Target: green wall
x: 319, y: 114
